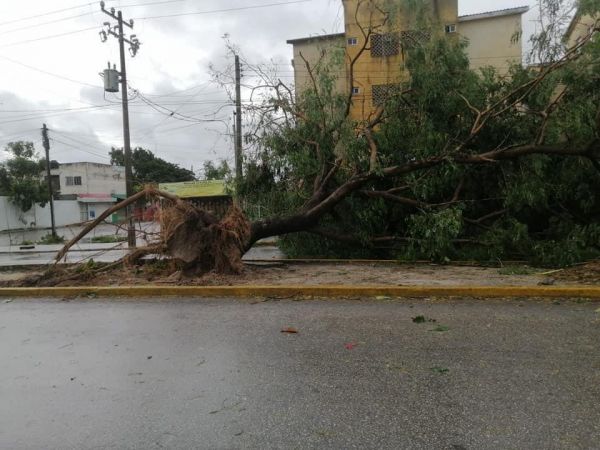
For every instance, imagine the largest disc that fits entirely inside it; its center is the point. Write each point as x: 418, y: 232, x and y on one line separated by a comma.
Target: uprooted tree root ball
x: 203, y: 243
x: 195, y: 240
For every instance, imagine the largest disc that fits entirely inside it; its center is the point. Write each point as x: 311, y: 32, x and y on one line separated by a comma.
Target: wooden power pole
x: 46, y: 143
x: 117, y: 31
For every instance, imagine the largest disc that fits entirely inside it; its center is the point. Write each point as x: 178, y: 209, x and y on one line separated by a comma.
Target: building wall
x: 492, y: 41
x: 91, y: 211
x: 66, y: 212
x: 579, y: 28
x: 368, y: 70
x: 315, y: 51
x: 95, y: 178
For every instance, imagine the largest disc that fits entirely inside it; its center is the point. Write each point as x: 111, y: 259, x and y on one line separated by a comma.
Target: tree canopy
x: 212, y: 172
x: 148, y: 168
x: 20, y: 178
x: 455, y: 164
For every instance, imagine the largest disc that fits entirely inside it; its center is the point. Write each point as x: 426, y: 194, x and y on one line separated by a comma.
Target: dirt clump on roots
x: 202, y: 242
x: 588, y: 273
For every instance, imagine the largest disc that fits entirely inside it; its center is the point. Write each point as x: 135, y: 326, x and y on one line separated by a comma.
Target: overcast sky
x: 53, y: 79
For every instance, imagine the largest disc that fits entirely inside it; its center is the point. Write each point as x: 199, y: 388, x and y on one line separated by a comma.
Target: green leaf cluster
x: 20, y: 176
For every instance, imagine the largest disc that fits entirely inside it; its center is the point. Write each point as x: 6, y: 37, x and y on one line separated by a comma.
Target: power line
x: 20, y: 133
x: 43, y: 38
x: 83, y: 108
x: 65, y: 134
x: 28, y: 27
x: 49, y: 13
x: 172, y: 113
x: 29, y: 117
x: 151, y: 3
x: 241, y: 8
x: 62, y: 77
x: 80, y: 149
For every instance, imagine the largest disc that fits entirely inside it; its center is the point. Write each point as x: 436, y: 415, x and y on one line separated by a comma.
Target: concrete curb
x: 588, y: 292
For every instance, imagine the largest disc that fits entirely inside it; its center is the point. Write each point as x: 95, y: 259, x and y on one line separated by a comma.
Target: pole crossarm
x: 112, y: 13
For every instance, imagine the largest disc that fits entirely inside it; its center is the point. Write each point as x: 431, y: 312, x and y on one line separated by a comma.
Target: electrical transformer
x: 111, y: 80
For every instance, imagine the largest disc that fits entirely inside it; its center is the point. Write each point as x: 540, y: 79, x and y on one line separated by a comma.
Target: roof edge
x: 320, y: 37
x: 492, y: 14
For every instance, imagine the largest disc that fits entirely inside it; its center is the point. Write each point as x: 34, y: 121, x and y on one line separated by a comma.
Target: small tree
x: 220, y: 172
x: 20, y: 178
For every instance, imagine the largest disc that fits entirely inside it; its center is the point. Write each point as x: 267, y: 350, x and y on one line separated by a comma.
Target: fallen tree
x: 188, y: 234
x: 451, y: 162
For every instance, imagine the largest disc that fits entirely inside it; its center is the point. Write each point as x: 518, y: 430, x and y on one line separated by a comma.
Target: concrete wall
x: 66, y: 212
x: 326, y: 50
x: 95, y: 178
x: 492, y: 41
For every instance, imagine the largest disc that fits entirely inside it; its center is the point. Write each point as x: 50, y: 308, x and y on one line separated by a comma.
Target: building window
x: 355, y: 90
x: 352, y: 41
x: 385, y: 44
x: 381, y: 93
x: 69, y: 181
x: 414, y: 38
x: 451, y: 28
x: 77, y: 181
x: 83, y: 212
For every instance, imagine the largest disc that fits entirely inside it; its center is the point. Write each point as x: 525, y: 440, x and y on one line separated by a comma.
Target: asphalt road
x: 220, y: 374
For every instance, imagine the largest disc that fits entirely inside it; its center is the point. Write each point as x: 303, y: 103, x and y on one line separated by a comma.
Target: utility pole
x: 134, y: 45
x: 46, y: 143
x: 238, y: 119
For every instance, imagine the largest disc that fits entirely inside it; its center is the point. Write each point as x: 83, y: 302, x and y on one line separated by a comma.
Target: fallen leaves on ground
x: 422, y: 319
x: 588, y: 273
x: 290, y: 330
x: 350, y: 345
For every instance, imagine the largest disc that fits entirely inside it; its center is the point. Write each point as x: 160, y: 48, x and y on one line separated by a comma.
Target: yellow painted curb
x: 309, y: 291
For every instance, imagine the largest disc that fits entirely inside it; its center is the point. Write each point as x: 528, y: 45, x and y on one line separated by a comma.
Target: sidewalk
x: 11, y: 256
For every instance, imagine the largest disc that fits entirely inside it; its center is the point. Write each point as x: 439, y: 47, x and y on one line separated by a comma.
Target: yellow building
x: 376, y: 40
x: 580, y: 26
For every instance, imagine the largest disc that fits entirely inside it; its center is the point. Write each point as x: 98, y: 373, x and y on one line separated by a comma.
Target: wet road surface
x: 220, y: 374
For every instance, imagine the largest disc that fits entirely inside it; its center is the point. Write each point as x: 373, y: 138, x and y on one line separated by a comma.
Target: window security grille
x: 414, y: 38
x: 69, y: 181
x: 382, y: 92
x: 385, y: 45
x: 77, y: 181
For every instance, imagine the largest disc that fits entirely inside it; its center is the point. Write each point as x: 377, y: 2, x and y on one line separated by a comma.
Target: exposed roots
x: 189, y: 235
x: 201, y: 242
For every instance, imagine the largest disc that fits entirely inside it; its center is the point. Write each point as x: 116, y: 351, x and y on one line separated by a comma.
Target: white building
x: 96, y: 187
